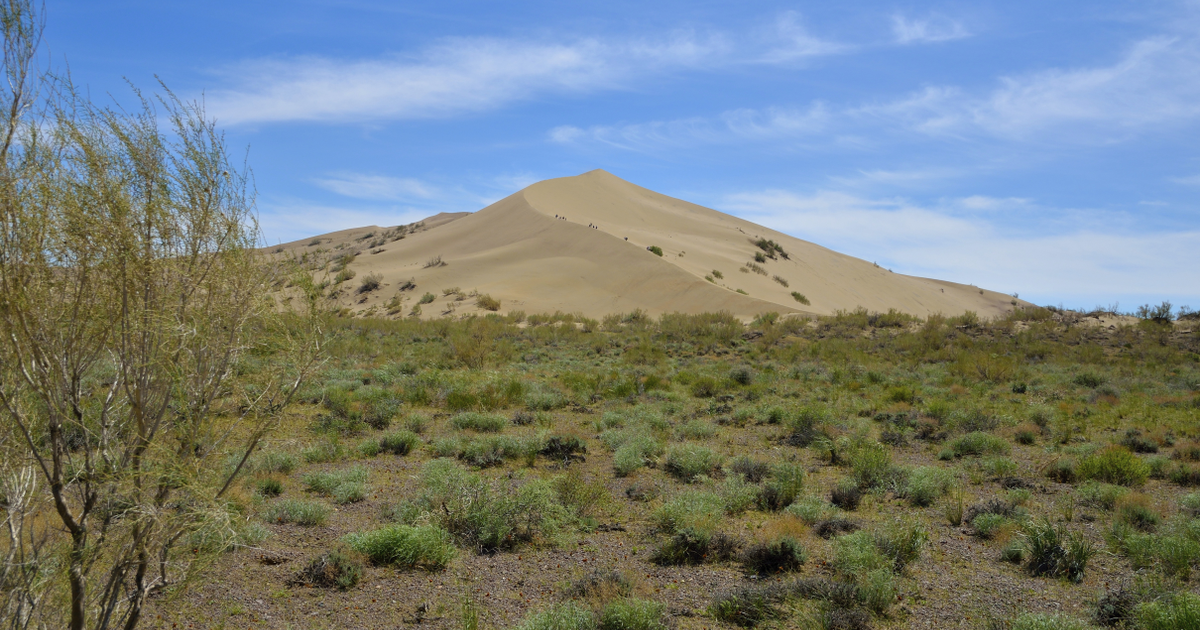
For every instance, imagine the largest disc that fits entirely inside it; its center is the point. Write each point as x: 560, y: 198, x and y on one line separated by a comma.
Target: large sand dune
x: 579, y: 245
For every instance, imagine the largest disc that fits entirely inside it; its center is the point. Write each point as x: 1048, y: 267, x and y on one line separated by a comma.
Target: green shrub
x: 368, y: 448
x: 705, y: 387
x: 927, y: 484
x: 1138, y: 516
x: 487, y: 303
x: 480, y: 422
x: 399, y: 443
x: 635, y: 453
x: 298, y: 511
x: 979, y: 443
x: 737, y: 495
x: 785, y: 484
x: 742, y: 375
x: 691, y: 546
x: 696, y: 430
x: 323, y: 452
x: 687, y: 461
x: 1174, y: 612
x: 876, y: 591
x: 811, y: 509
x: 269, y: 487
x: 564, y: 616
x: 272, y: 462
x: 326, y: 482
x: 1115, y: 464
x: 986, y: 526
x: 902, y: 544
x: 871, y: 466
x: 777, y: 556
x: 655, y: 249
x: 493, y: 450
x: 695, y: 509
x: 352, y: 492
x: 632, y: 614
x: 752, y: 470
x: 428, y: 547
x: 799, y: 297
x: 336, y: 569
x: 426, y: 299
x: 1190, y: 505
x: 1062, y: 470
x: 1054, y: 552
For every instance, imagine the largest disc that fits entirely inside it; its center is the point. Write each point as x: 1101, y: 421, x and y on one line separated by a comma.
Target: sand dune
x: 579, y: 245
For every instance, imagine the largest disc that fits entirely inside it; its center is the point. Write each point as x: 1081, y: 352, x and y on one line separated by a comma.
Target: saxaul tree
x: 134, y: 306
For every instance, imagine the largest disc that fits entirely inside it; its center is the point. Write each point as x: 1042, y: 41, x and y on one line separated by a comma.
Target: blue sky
x: 1045, y: 149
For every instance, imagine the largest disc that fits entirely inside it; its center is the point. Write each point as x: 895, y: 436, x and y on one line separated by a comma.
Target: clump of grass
x: 564, y: 616
x: 688, y: 461
x: 1102, y: 496
x: 1055, y: 552
x: 487, y: 302
x: 335, y: 569
x: 399, y: 443
x: 425, y: 299
x: 269, y: 487
x: 782, y: 488
x: 780, y: 280
x: 979, y: 443
x: 752, y: 470
x: 846, y: 495
x: 1115, y: 464
x: 428, y: 547
x: 345, y: 486
x: 370, y: 282
x: 783, y: 555
x: 272, y: 462
x: 927, y: 484
x: 1039, y: 621
x: 632, y: 614
x: 696, y: 430
x: 298, y: 511
x: 1178, y: 610
x: 323, y: 452
x: 479, y: 422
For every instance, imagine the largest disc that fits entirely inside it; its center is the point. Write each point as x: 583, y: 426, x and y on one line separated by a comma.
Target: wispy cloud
x: 950, y: 242
x: 793, y: 41
x: 376, y: 187
x: 1191, y: 180
x: 731, y: 126
x: 458, y: 75
x: 935, y: 28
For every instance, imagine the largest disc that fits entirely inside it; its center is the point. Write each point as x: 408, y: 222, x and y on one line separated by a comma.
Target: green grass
x: 688, y: 461
x: 298, y: 511
x: 480, y: 422
x: 632, y: 614
x: 405, y: 547
x: 1116, y: 465
x: 564, y: 616
x: 979, y: 443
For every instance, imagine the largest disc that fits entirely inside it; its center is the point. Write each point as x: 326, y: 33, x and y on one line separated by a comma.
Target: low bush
x: 298, y: 511
x: 777, y: 556
x: 272, y: 462
x: 695, y: 430
x: 687, y: 461
x: 336, y: 569
x: 1062, y: 470
x: 1174, y: 612
x: 632, y: 614
x: 752, y: 470
x: 636, y: 453
x: 979, y: 443
x: 1054, y: 552
x: 871, y: 466
x: 987, y: 526
x: 564, y: 616
x: 427, y: 547
x: 269, y: 487
x: 782, y: 488
x: 846, y: 495
x: 800, y: 297
x: 487, y: 303
x: 691, y: 546
x: 830, y: 527
x: 1115, y: 464
x: 346, y: 486
x: 399, y: 443
x: 323, y: 452
x: 927, y: 484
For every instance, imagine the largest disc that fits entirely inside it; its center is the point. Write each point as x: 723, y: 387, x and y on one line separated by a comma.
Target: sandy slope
x: 578, y: 244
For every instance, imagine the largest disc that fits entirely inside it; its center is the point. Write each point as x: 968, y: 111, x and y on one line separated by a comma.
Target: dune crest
x: 581, y: 245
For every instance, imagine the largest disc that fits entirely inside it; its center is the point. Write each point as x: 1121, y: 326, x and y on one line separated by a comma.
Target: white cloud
x: 1192, y: 180
x: 1081, y: 262
x: 731, y: 126
x: 376, y: 187
x: 793, y: 41
x: 458, y: 75
x: 935, y: 28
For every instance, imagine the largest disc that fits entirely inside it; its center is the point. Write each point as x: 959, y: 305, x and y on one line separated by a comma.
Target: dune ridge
x: 579, y: 245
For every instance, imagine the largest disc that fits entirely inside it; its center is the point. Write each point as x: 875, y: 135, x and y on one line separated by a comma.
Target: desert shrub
x: 749, y: 605
x: 804, y: 426
x: 694, y: 546
x: 494, y: 450
x: 927, y: 484
x: 1190, y: 505
x: 323, y: 452
x: 426, y: 299
x: 368, y: 448
x: 328, y: 482
x: 780, y: 280
x: 687, y: 461
x: 1115, y: 464
x: 871, y: 466
x: 632, y: 614
x: 403, y: 546
x: 480, y: 422
x: 399, y: 443
x: 635, y: 453
x: 370, y: 282
x: 811, y: 509
x: 655, y: 249
x: 800, y: 297
x: 544, y: 400
x: 785, y: 484
x: 1039, y: 621
x: 705, y: 387
x: 741, y: 374
x: 272, y: 462
x: 1136, y: 442
x: 777, y: 556
x: 696, y: 430
x: 1158, y: 466
x: 269, y: 487
x: 335, y: 569
x: 564, y: 616
x: 600, y: 585
x: 487, y: 302
x: 979, y: 443
x: 1054, y: 552
x: 696, y: 509
x: 846, y: 495
x: 902, y: 544
x: 344, y: 275
x: 754, y: 471
x: 1176, y: 611
x: 1134, y: 511
x: 1025, y: 436
x: 352, y: 492
x: 1185, y: 474
x: 579, y: 495
x: 298, y: 511
x: 485, y: 516
x: 830, y: 527
x: 737, y: 495
x: 1063, y: 470
x: 986, y: 526
x: 1088, y: 379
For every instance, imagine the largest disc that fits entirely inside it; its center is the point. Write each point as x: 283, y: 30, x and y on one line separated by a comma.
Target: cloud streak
x: 376, y: 187
x: 955, y: 242
x: 935, y: 28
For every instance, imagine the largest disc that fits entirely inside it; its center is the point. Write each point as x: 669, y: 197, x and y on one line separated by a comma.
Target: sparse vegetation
x: 655, y: 249
x: 799, y: 297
